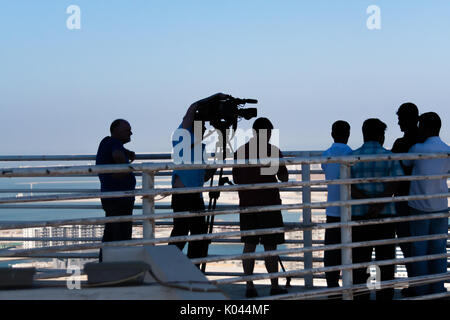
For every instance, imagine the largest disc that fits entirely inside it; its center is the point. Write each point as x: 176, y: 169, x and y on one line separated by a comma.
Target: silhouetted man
x: 408, y: 117
x: 429, y: 128
x: 264, y: 197
x: 374, y: 136
x: 112, y: 151
x: 191, y: 178
x: 340, y: 132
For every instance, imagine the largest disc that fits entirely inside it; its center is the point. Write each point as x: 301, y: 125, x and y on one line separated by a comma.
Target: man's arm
x: 390, y: 190
x: 119, y: 157
x: 188, y: 119
x: 376, y: 208
x: 131, y: 155
x: 283, y: 174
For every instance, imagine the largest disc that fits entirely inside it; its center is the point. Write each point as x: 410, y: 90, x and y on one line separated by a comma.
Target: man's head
x: 373, y: 130
x: 261, y: 124
x: 340, y: 131
x: 408, y: 115
x: 121, y: 130
x: 429, y: 125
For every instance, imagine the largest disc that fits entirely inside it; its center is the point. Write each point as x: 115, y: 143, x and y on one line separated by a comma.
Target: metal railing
x: 148, y: 192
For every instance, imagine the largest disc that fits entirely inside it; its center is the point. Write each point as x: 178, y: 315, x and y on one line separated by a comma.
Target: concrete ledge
x: 181, y: 280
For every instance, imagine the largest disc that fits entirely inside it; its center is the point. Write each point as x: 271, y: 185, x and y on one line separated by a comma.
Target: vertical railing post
x: 307, y: 235
x: 148, y: 205
x: 346, y: 232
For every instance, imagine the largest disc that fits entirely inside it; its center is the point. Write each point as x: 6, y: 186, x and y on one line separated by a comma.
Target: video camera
x: 224, y: 113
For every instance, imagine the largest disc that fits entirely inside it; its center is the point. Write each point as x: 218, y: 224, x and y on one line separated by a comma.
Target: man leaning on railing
x: 408, y: 117
x: 112, y: 151
x: 429, y: 128
x: 340, y: 131
x: 374, y: 135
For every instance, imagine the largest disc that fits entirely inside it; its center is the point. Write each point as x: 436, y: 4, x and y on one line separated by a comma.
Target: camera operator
x: 191, y: 178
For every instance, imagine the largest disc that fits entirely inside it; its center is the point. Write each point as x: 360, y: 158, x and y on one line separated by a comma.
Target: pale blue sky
x: 309, y: 63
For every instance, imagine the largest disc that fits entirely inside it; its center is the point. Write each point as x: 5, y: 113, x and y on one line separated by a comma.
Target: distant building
x: 77, y: 232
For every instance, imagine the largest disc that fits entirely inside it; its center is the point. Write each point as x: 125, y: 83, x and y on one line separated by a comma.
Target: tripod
x: 214, y: 195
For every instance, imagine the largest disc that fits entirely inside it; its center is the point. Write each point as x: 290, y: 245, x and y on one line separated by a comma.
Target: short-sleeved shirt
x: 373, y: 170
x: 252, y: 175
x: 332, y: 172
x: 429, y: 167
x: 108, y: 181
x: 189, y: 178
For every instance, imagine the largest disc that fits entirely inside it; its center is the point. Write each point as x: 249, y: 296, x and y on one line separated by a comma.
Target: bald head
x: 120, y: 129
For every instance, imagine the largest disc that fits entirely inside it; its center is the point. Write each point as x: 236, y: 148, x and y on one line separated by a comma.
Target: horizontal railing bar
x: 164, y: 166
x: 231, y: 224
x: 169, y: 191
x: 168, y: 173
x: 430, y: 296
x: 54, y: 239
x: 67, y: 255
x: 54, y: 274
x: 87, y: 206
x: 139, y: 156
x: 218, y: 241
x: 395, y: 283
x: 291, y: 189
x: 54, y: 190
x: 89, y: 221
x: 296, y: 273
x: 128, y: 243
x: 8, y: 253
x: 96, y: 255
x: 310, y: 294
x: 278, y: 252
x: 238, y: 274
x: 81, y: 157
x: 225, y: 274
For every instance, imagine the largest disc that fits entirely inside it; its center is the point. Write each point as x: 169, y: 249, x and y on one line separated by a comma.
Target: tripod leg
x: 208, y: 218
x: 288, y: 279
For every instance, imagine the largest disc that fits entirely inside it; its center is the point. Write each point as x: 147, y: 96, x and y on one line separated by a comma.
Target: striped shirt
x: 372, y: 170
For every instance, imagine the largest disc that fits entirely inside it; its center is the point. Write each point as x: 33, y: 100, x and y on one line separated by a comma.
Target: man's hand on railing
x: 131, y: 155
